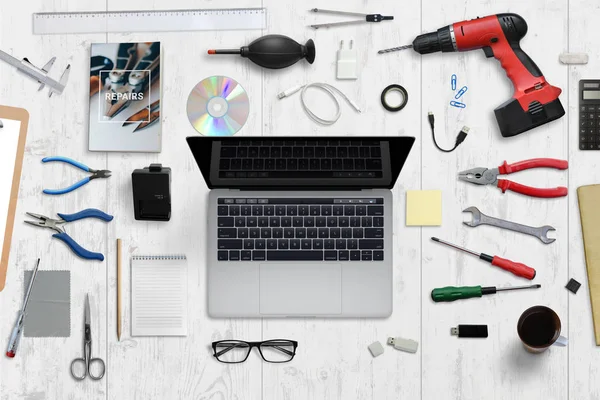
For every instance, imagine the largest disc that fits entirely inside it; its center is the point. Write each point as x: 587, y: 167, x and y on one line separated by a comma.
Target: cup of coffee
x: 539, y: 328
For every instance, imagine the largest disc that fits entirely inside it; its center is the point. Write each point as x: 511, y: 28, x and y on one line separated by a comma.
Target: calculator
x: 589, y: 114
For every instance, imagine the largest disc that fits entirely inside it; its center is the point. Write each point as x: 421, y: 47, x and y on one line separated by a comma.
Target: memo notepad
x: 423, y: 207
x: 159, y: 296
x: 13, y: 133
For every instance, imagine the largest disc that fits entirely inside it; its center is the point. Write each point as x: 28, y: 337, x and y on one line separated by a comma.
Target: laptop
x: 300, y: 226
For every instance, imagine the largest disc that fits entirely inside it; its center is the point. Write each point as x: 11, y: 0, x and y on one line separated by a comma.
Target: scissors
x: 87, y: 361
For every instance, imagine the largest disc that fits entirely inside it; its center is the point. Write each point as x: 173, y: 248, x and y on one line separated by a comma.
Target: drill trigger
x: 488, y: 51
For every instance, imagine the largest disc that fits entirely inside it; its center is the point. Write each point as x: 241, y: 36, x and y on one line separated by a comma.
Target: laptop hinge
x: 306, y: 189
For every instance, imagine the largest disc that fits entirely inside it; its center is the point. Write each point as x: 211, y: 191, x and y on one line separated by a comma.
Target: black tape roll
x: 394, y: 88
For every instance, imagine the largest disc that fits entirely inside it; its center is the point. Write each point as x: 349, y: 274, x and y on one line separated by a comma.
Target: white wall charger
x: 346, y: 62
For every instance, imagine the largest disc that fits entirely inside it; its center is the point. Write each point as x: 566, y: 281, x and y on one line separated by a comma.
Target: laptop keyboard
x: 309, y: 159
x: 285, y: 229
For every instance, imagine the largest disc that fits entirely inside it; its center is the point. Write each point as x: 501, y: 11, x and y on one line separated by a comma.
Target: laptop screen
x: 300, y: 162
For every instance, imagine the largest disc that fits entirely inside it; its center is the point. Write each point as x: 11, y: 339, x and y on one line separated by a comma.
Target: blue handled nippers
x: 56, y: 224
x: 102, y: 173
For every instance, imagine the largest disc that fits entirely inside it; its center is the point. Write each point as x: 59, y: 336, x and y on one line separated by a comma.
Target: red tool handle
x: 505, y: 185
x: 518, y: 269
x: 506, y: 169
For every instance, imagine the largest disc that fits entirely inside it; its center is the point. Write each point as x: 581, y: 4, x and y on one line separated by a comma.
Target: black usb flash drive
x: 470, y: 331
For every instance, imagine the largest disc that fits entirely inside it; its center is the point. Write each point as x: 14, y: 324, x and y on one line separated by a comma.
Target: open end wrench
x: 479, y: 218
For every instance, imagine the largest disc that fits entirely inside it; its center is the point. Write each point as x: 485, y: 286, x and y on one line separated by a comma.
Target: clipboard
x: 13, y: 135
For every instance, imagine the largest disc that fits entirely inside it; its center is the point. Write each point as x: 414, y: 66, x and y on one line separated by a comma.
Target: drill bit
x: 408, y: 46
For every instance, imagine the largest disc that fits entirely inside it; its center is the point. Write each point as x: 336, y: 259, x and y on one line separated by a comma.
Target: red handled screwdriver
x: 511, y: 266
x: 15, y: 336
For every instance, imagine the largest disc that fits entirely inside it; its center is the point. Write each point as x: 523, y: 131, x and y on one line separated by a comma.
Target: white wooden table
x: 332, y: 360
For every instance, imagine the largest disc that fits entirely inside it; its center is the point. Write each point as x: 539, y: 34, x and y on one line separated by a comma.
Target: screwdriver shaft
x: 518, y: 288
x: 455, y: 246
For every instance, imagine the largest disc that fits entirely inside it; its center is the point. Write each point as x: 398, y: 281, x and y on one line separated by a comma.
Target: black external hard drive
x: 152, y: 193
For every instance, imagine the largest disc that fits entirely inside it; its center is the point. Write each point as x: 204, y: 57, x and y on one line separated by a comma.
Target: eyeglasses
x: 237, y: 351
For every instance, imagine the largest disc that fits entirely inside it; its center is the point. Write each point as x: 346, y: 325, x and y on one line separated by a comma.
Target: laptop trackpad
x: 300, y: 289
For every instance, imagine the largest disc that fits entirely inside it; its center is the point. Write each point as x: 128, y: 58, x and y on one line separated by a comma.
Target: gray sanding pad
x: 49, y: 310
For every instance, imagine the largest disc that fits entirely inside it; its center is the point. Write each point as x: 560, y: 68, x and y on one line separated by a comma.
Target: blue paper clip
x: 457, y: 104
x: 460, y: 93
x: 453, y: 81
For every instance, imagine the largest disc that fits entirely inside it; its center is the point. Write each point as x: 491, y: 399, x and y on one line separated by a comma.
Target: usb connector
x: 462, y: 135
x: 289, y: 92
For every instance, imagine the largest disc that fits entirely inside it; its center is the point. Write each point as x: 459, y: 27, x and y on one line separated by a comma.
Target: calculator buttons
x: 589, y: 146
x: 589, y: 117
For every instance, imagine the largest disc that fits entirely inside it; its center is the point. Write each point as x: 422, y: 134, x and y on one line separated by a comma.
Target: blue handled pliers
x: 102, y: 173
x: 56, y: 224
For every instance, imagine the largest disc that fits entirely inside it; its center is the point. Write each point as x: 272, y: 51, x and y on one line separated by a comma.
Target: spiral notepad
x: 159, y: 295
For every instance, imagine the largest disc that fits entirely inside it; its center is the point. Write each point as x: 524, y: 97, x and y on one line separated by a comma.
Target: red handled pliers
x: 485, y: 176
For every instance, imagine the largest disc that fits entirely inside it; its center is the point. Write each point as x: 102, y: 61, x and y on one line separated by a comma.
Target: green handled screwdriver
x: 451, y: 293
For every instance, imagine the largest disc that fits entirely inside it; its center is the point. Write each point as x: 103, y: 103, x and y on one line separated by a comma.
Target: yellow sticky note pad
x: 423, y: 207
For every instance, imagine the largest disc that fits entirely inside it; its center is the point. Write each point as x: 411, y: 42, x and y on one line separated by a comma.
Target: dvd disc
x: 218, y: 106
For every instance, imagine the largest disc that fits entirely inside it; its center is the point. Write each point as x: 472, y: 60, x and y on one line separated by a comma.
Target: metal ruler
x: 149, y: 21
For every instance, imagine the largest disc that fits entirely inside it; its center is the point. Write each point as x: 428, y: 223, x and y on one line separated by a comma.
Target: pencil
x: 119, y: 289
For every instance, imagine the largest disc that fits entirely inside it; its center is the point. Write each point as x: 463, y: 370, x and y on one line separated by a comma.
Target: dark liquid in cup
x: 538, y: 329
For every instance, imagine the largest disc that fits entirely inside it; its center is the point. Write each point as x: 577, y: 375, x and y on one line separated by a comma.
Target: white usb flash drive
x: 407, y: 345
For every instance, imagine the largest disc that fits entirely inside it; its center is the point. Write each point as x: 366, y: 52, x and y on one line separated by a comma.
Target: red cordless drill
x: 535, y: 102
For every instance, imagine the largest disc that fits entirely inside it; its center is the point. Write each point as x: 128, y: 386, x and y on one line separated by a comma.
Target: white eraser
x: 376, y: 349
x: 573, y: 58
x: 410, y: 346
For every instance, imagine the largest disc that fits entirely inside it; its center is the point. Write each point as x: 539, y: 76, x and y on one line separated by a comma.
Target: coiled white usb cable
x: 330, y: 90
